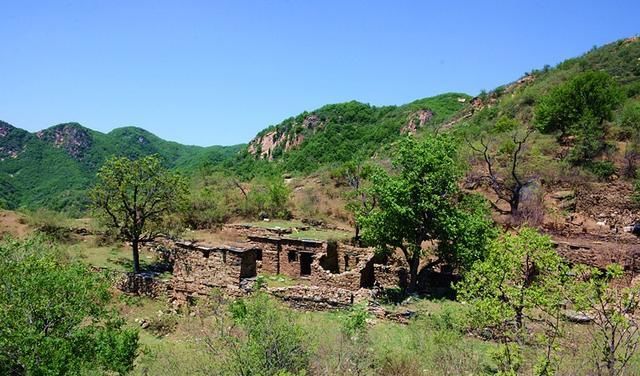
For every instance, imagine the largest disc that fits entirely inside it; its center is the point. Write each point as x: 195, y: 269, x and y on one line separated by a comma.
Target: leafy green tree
x: 354, y: 174
x: 630, y: 117
x: 593, y: 94
x: 270, y: 197
x: 521, y: 278
x: 615, y: 331
x: 421, y: 202
x: 136, y: 198
x: 54, y: 315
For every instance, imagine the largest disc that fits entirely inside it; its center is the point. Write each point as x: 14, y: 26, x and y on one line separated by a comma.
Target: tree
x: 504, y: 176
x: 136, y: 198
x: 354, y: 175
x: 589, y: 93
x: 421, y: 202
x: 579, y: 107
x: 54, y: 315
x: 615, y: 331
x: 521, y: 278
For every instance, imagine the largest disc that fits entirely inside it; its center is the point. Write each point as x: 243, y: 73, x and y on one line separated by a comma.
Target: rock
x: 577, y: 317
x: 569, y: 204
x: 563, y: 195
x: 144, y: 324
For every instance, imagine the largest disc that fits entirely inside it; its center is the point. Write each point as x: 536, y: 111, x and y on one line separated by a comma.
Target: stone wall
x: 198, y: 269
x: 319, y: 297
x: 290, y: 257
x: 146, y: 284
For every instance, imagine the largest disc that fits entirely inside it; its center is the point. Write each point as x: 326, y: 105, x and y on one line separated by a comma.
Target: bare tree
x: 507, y: 186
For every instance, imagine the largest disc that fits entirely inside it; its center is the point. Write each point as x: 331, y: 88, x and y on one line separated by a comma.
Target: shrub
x: 269, y: 343
x: 49, y: 222
x: 163, y: 325
x: 602, y: 169
x: 54, y: 316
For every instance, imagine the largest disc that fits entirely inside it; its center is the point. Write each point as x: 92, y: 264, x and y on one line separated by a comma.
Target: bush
x: 630, y: 118
x: 206, y: 209
x: 163, y: 325
x: 54, y: 316
x: 270, y: 198
x: 49, y: 222
x: 269, y: 343
x: 602, y: 169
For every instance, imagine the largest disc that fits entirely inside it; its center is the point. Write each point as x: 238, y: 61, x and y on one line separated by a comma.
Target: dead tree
x: 507, y: 189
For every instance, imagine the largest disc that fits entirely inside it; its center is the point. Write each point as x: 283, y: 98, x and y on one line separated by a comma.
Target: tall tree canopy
x: 137, y: 198
x: 420, y: 201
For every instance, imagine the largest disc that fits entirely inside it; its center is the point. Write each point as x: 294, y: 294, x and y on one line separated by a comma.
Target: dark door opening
x: 305, y: 263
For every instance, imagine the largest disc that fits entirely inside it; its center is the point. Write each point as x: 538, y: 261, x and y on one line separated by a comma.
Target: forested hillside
x: 54, y: 167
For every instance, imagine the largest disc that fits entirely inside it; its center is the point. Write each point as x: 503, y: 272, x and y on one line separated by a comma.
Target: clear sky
x: 217, y: 72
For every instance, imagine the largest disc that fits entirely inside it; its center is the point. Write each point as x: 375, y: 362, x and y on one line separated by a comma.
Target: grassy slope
x: 620, y: 59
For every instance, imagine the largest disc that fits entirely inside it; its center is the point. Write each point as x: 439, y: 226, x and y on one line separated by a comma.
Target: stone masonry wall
x: 198, y: 269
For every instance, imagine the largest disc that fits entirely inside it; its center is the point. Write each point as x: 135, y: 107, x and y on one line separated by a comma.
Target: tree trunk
x: 414, y: 264
x: 136, y: 256
x: 356, y: 238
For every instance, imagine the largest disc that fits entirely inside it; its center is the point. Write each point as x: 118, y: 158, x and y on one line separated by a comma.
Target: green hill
x: 338, y: 133
x: 55, y: 166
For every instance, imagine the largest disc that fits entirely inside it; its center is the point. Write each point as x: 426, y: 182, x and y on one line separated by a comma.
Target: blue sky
x: 217, y: 72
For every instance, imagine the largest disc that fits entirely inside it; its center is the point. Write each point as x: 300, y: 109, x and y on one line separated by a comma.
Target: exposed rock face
x: 264, y: 146
x: 71, y: 137
x: 5, y: 128
x: 11, y: 141
x: 417, y: 120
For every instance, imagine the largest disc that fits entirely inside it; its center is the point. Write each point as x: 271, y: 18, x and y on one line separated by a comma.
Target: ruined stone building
x: 329, y: 273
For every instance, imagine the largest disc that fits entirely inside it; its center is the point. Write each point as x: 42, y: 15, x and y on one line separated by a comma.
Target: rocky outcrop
x: 71, y: 137
x: 264, y: 146
x: 416, y: 121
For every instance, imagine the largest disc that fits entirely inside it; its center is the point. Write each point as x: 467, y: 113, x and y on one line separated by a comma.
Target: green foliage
x: 505, y: 124
x: 593, y: 94
x: 579, y: 107
x: 615, y: 333
x: 520, y: 273
x: 603, y: 170
x: 422, y: 202
x: 352, y: 130
x: 629, y: 118
x: 75, y: 153
x: 271, y: 344
x: 137, y: 199
x: 54, y: 316
x: 270, y: 198
x: 521, y: 278
x: 354, y: 321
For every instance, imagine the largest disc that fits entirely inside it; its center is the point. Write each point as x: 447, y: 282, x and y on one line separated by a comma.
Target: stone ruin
x: 324, y: 274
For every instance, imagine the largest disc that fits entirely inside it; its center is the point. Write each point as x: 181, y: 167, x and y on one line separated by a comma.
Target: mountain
x: 55, y: 166
x: 338, y: 133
